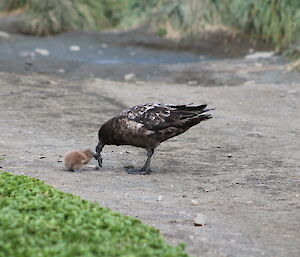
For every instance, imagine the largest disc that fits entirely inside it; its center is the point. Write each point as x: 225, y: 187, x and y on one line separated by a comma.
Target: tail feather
x: 198, y: 108
x: 195, y: 120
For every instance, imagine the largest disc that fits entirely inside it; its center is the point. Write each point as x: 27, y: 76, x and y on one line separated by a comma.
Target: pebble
x: 192, y: 82
x: 249, y: 83
x: 255, y: 134
x: 194, y: 202
x: 229, y: 155
x: 74, y: 48
x: 61, y: 70
x: 104, y: 45
x: 41, y: 51
x: 129, y: 165
x: 259, y: 55
x: 4, y: 35
x: 200, y: 219
x: 159, y: 198
x: 129, y: 76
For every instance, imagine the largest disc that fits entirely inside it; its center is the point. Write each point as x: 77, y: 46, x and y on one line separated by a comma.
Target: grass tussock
x: 179, y: 18
x: 275, y: 21
x: 38, y: 220
x: 46, y: 17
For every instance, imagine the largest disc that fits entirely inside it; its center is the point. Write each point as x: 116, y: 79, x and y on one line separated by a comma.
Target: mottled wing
x: 159, y: 116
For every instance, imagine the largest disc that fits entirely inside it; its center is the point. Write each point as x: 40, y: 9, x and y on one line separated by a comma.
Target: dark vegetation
x: 274, y: 21
x: 38, y: 220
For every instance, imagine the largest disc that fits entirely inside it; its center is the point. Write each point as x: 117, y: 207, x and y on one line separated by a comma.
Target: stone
x: 200, y: 220
x: 129, y: 76
x: 4, y: 35
x: 74, y: 48
x: 194, y: 202
x: 41, y: 51
x: 259, y: 55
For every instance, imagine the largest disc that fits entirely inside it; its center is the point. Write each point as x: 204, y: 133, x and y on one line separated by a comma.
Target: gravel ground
x: 241, y: 169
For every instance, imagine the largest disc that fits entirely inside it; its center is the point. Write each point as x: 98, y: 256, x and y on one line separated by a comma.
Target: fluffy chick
x: 74, y: 160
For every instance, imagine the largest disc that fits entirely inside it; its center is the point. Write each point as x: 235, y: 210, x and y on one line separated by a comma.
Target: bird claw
x: 99, y: 159
x: 100, y: 162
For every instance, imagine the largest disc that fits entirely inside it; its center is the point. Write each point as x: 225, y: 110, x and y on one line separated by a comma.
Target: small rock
x: 282, y: 95
x: 254, y: 134
x: 192, y: 82
x: 4, y: 35
x: 41, y: 156
x: 229, y: 155
x: 61, y: 70
x: 200, y: 219
x: 251, y: 50
x: 259, y: 55
x: 74, y: 48
x: 104, y: 45
x: 91, y: 166
x: 22, y: 157
x: 159, y: 198
x: 100, y: 52
x: 194, y: 202
x: 129, y: 165
x: 29, y: 63
x: 132, y: 53
x: 129, y: 76
x: 249, y: 83
x: 41, y: 51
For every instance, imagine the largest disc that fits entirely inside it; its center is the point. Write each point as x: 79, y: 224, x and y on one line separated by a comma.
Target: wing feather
x: 156, y: 117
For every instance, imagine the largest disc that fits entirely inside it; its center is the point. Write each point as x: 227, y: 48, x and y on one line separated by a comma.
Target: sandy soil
x: 240, y: 169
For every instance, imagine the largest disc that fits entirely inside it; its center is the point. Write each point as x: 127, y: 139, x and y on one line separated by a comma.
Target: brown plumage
x: 148, y: 125
x: 74, y: 160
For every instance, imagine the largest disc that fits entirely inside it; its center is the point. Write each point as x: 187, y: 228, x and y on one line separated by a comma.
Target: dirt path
x: 242, y: 167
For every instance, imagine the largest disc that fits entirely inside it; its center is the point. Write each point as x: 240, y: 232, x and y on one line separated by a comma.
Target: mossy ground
x: 38, y: 220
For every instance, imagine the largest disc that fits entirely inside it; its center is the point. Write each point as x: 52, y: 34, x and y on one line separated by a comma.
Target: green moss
x: 38, y: 220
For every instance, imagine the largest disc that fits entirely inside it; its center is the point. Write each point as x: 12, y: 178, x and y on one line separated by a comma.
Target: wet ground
x: 240, y: 169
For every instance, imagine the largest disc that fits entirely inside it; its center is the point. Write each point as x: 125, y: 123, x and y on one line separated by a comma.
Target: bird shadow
x: 136, y: 171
